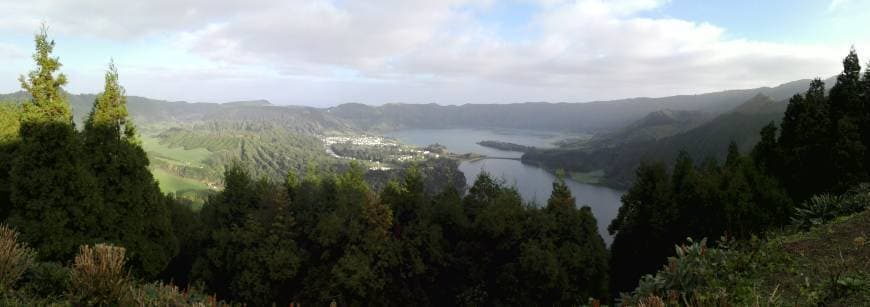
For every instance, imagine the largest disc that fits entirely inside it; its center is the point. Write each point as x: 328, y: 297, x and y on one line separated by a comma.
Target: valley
x: 190, y: 143
x: 628, y: 153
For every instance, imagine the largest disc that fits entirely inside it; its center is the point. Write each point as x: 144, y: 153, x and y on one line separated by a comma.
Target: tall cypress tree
x: 847, y: 114
x: 56, y: 205
x: 136, y: 215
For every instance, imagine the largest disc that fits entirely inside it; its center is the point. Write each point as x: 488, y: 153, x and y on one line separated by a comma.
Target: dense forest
x: 84, y: 222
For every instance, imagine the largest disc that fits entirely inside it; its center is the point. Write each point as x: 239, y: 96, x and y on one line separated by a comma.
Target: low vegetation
x: 827, y: 266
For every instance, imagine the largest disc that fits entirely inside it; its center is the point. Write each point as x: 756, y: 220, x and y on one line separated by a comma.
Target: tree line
x: 820, y: 146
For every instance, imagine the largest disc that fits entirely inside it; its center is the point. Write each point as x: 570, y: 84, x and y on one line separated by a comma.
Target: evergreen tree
x: 135, y: 215
x: 491, y: 249
x: 221, y: 215
x: 847, y: 113
x: 563, y: 259
x: 420, y: 249
x: 56, y: 203
x: 805, y: 144
x: 350, y: 239
x: 766, y: 153
x: 641, y: 228
x: 265, y: 259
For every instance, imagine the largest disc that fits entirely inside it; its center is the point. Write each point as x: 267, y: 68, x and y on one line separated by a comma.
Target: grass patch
x: 593, y: 177
x: 177, y: 155
x: 829, y: 265
x: 171, y: 183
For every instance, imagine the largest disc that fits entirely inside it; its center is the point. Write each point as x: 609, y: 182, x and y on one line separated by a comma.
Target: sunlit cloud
x: 330, y: 52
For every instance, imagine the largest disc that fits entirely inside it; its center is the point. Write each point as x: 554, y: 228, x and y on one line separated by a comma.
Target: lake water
x: 533, y: 183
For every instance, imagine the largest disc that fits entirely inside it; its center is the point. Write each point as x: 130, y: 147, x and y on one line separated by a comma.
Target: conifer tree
x: 766, y: 152
x: 642, y: 238
x: 136, y: 214
x: 563, y: 258
x: 847, y: 113
x: 805, y: 143
x: 56, y: 204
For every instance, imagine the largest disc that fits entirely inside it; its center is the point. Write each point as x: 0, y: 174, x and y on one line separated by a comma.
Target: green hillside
x: 828, y: 265
x: 618, y: 159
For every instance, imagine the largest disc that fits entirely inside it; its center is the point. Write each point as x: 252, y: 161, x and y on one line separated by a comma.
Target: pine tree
x: 135, y: 212
x: 56, y: 203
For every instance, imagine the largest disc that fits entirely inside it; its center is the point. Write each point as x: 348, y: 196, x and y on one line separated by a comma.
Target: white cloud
x: 422, y: 50
x: 837, y: 4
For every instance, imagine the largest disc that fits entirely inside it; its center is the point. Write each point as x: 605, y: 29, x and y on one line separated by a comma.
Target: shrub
x: 698, y: 276
x: 46, y: 280
x: 817, y: 210
x: 821, y: 209
x: 159, y: 294
x: 15, y: 258
x: 857, y: 199
x: 98, y: 276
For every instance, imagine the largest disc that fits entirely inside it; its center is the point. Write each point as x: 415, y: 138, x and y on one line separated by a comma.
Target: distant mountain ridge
x: 708, y: 140
x: 591, y: 117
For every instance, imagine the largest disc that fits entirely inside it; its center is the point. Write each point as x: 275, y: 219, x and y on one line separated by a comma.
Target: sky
x: 328, y: 52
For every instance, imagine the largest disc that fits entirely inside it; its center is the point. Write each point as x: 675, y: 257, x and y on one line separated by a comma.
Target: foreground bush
x: 98, y: 276
x: 45, y: 280
x: 159, y: 294
x: 697, y: 276
x: 823, y: 208
x: 15, y: 258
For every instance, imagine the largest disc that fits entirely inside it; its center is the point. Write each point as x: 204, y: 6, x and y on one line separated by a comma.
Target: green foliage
x: 47, y: 280
x: 54, y: 196
x: 563, y: 265
x: 824, y: 266
x: 135, y: 213
x: 825, y: 138
x: 702, y: 276
x: 160, y: 294
x: 817, y: 210
x: 823, y: 208
x: 329, y: 238
x: 269, y: 151
x: 49, y: 103
x: 10, y: 121
x: 110, y: 108
x: 736, y: 199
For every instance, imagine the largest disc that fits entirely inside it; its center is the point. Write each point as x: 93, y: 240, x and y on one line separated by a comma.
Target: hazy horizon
x: 324, y: 53
x: 280, y: 103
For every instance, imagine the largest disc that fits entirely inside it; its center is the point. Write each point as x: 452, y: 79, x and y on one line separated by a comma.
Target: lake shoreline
x: 534, y: 183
